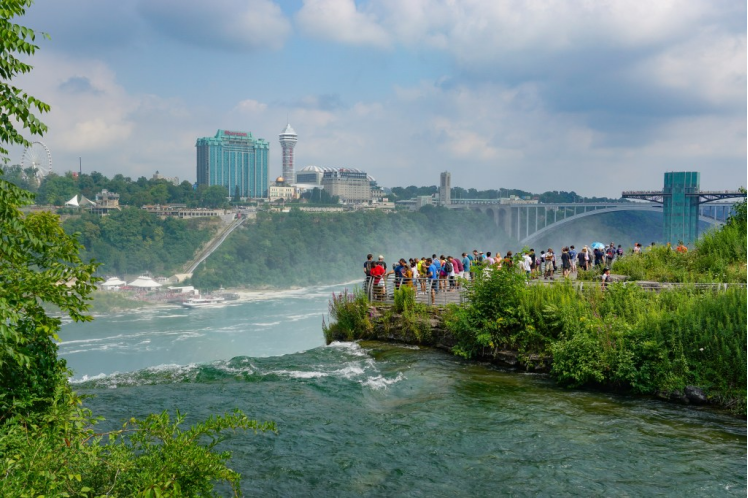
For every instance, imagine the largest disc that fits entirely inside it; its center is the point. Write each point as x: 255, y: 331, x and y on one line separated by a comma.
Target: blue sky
x: 591, y: 96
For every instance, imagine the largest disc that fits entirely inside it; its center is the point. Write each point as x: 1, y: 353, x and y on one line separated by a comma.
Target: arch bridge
x: 525, y: 221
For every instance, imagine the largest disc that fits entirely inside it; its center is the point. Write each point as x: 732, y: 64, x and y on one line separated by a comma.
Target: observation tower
x: 288, y: 141
x: 680, y: 199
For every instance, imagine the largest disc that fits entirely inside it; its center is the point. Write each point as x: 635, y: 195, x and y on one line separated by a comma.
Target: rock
x: 679, y: 397
x: 507, y: 357
x: 695, y: 395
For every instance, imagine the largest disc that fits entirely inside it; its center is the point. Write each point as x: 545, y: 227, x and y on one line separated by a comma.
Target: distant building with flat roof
x: 235, y: 160
x: 350, y: 185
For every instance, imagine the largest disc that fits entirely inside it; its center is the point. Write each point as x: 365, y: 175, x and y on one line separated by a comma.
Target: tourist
x: 583, y: 258
x: 610, y: 253
x: 433, y: 277
x: 573, y: 259
x: 598, y: 253
x: 565, y: 262
x: 548, y: 264
x: 368, y: 265
x: 605, y: 278
x: 681, y: 248
x: 467, y: 264
x: 533, y: 262
x: 377, y: 275
x: 528, y: 262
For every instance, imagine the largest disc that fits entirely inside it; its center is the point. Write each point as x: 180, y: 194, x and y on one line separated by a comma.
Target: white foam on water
x: 379, y: 383
x: 297, y: 374
x: 351, y: 347
x: 224, y: 367
x: 350, y: 371
x: 187, y: 335
x: 116, y: 379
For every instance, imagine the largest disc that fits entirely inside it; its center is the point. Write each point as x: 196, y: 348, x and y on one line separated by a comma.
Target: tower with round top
x: 288, y: 139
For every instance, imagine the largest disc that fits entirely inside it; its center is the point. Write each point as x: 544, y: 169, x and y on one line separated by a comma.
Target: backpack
x: 611, y: 252
x: 448, y: 267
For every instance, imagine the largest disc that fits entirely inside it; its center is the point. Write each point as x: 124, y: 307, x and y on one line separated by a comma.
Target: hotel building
x: 234, y: 159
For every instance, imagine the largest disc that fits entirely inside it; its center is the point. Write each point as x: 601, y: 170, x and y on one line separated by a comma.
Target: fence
x: 444, y: 291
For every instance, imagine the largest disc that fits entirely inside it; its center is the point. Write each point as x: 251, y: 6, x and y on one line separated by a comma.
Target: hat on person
x: 381, y: 257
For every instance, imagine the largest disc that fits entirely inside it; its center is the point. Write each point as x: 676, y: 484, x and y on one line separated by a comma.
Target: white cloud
x: 89, y: 110
x: 341, y: 21
x: 250, y: 106
x: 711, y: 65
x: 228, y: 24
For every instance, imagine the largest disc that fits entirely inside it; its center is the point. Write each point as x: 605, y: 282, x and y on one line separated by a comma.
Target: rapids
x: 378, y: 419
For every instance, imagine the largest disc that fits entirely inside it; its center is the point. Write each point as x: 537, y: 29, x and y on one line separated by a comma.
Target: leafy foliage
x: 349, y: 317
x: 494, y: 317
x: 61, y: 454
x: 16, y: 106
x: 39, y: 264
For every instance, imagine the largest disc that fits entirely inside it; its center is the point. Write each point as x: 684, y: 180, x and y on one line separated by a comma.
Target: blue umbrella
x: 597, y: 245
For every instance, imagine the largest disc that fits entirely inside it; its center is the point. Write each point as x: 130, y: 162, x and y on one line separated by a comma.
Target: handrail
x: 457, y: 294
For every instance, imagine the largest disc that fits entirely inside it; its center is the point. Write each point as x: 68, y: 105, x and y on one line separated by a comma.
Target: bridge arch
x: 650, y: 208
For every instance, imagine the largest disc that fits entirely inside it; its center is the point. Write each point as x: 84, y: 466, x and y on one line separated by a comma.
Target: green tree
x: 16, y: 106
x: 214, y: 196
x: 39, y: 264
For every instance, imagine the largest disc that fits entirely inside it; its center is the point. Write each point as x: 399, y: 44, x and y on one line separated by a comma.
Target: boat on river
x: 203, y: 302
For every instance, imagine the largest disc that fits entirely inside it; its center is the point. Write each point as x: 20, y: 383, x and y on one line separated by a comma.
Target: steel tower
x: 681, y: 198
x: 288, y: 141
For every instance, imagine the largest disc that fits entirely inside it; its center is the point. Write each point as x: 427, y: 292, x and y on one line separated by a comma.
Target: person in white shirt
x: 527, y: 264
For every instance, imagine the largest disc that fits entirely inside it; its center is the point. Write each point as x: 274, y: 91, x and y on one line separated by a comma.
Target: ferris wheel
x: 37, y: 157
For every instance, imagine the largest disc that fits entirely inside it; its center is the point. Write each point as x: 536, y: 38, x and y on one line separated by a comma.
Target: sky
x: 591, y: 96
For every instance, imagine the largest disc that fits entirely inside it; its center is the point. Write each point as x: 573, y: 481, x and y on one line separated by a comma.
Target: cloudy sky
x: 595, y: 96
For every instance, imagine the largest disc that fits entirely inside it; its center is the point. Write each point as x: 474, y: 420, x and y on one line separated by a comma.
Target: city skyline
x: 591, y: 97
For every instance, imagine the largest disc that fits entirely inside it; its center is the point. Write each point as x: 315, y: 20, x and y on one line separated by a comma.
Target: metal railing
x: 454, y: 291
x: 433, y: 292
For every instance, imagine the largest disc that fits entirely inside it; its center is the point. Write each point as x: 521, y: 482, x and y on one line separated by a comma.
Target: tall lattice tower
x: 288, y: 141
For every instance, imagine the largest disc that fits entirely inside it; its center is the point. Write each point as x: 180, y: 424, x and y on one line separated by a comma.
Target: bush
x: 349, y: 317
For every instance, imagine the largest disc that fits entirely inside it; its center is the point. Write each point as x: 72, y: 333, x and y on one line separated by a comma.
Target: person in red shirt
x: 377, y: 281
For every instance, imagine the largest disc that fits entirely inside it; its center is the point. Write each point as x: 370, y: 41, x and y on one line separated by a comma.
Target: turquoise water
x: 374, y: 419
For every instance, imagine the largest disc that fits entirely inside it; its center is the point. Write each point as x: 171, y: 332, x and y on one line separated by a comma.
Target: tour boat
x: 202, y: 302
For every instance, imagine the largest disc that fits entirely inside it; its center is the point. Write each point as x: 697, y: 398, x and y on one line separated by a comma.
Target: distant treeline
x: 57, y: 189
x: 311, y: 248
x: 404, y: 193
x: 134, y: 241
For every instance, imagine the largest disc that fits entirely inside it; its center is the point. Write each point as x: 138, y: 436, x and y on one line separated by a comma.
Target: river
x: 376, y: 419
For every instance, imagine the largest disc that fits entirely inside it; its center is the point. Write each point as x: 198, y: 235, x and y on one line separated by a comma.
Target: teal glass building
x: 681, y: 207
x: 234, y: 159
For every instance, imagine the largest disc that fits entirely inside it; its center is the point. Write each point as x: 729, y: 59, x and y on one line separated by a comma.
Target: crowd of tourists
x: 445, y: 273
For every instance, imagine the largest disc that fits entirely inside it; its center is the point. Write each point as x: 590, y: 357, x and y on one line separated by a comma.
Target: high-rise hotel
x: 234, y: 159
